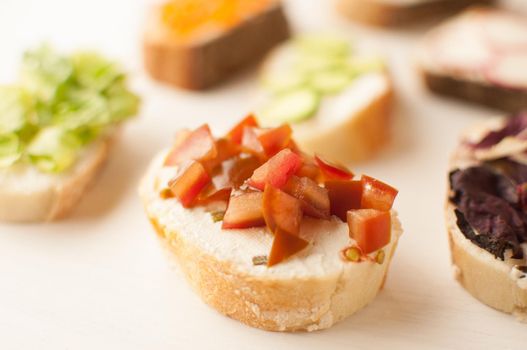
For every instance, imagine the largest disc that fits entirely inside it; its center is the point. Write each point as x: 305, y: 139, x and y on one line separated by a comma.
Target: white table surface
x: 100, y: 280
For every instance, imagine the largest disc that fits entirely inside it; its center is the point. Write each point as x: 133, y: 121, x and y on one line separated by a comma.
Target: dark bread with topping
x: 391, y: 13
x: 478, y: 56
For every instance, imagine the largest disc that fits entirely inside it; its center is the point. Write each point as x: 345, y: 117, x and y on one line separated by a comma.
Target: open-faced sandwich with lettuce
x: 486, y: 213
x: 337, y: 96
x: 57, y: 122
x: 267, y: 234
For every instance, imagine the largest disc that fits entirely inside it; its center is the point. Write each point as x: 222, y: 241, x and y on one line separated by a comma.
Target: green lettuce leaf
x: 62, y: 104
x: 15, y: 108
x: 53, y: 149
x: 9, y: 150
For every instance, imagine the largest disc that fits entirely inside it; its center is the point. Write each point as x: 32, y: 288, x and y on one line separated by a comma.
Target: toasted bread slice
x: 350, y: 126
x: 495, y: 282
x: 27, y: 195
x: 310, y: 291
x: 478, y: 56
x: 212, y: 58
x: 401, y: 12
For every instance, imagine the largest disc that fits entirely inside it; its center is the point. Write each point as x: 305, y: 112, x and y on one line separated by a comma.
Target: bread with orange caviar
x: 267, y: 235
x: 195, y: 46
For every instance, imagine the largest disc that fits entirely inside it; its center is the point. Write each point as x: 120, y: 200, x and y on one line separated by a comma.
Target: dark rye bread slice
x: 394, y: 13
x: 509, y: 100
x: 199, y: 65
x: 478, y: 56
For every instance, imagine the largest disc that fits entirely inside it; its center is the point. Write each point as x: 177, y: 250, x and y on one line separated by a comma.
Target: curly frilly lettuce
x: 60, y: 105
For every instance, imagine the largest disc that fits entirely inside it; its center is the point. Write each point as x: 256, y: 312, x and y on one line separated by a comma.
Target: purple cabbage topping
x: 514, y: 126
x: 489, y: 200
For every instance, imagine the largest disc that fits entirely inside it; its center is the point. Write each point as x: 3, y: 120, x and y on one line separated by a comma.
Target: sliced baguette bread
x: 401, y: 12
x: 499, y: 283
x: 310, y: 291
x: 478, y: 56
x: 28, y: 195
x: 349, y: 125
x: 205, y: 60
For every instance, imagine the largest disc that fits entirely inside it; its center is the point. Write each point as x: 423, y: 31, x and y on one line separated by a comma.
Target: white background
x: 100, y: 280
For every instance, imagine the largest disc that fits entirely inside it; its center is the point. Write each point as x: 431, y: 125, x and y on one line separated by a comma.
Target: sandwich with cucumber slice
x: 267, y: 234
x: 57, y: 123
x: 337, y: 96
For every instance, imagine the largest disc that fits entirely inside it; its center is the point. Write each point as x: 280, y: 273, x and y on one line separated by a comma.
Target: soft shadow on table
x: 120, y: 175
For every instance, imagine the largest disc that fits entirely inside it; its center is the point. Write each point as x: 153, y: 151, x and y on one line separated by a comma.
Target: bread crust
x: 283, y: 305
x: 57, y: 201
x: 204, y: 64
x: 487, y: 278
x: 509, y: 100
x: 382, y: 13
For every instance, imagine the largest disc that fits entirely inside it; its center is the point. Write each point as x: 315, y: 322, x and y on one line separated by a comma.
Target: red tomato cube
x: 370, y: 228
x: 277, y: 170
x: 377, y: 194
x: 189, y: 183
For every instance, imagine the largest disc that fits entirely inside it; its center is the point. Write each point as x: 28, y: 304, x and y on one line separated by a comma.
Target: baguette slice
x: 400, y: 12
x: 27, y: 195
x: 478, y: 56
x: 349, y: 127
x: 494, y: 282
x: 310, y: 291
x: 211, y: 59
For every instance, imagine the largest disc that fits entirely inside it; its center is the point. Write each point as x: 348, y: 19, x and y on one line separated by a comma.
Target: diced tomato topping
x: 284, y: 246
x: 244, y: 211
x: 225, y: 149
x: 370, y: 228
x: 274, y: 140
x: 333, y: 171
x: 309, y: 170
x: 250, y: 142
x: 236, y: 133
x: 213, y: 194
x: 281, y: 211
x: 314, y: 199
x: 277, y: 170
x: 377, y: 194
x: 276, y: 184
x: 188, y: 185
x: 198, y: 145
x: 241, y: 168
x: 343, y: 196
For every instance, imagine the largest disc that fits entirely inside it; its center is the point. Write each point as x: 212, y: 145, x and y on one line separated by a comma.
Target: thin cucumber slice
x: 360, y: 65
x: 328, y: 45
x: 292, y: 107
x: 287, y: 81
x: 308, y: 64
x: 330, y: 81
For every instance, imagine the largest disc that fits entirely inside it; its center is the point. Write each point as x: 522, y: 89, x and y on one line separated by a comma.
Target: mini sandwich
x: 195, y: 44
x: 486, y: 213
x: 336, y: 96
x: 479, y: 56
x: 266, y: 234
x: 57, y: 124
x: 401, y: 12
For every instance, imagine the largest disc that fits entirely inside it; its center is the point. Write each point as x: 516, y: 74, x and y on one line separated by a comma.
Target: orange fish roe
x: 188, y: 19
